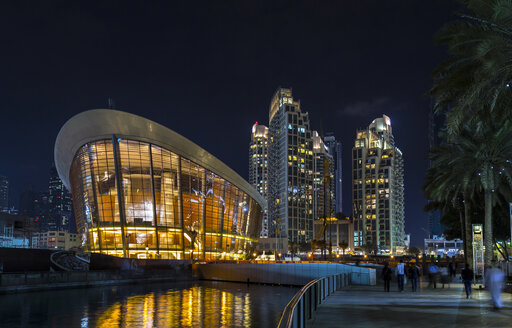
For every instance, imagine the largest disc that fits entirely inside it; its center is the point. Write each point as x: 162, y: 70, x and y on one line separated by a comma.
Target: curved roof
x: 101, y: 124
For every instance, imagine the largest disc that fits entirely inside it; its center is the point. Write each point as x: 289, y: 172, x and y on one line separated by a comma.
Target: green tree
x: 292, y: 246
x: 370, y: 249
x: 415, y: 251
x: 450, y: 185
x: 479, y: 163
x: 343, y: 245
x: 476, y: 78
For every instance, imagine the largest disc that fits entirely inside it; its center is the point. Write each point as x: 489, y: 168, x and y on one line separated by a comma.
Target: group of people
x: 412, y: 271
x: 445, y: 273
x: 494, y: 278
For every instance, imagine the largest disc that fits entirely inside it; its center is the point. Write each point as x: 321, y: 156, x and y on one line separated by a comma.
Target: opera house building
x: 140, y: 190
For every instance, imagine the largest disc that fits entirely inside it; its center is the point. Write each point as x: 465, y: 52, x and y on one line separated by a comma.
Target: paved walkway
x: 370, y: 306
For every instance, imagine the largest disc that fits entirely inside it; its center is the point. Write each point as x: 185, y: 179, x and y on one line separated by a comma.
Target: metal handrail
x: 304, y: 303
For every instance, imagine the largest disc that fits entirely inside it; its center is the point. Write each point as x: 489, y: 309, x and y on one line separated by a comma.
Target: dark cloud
x: 370, y: 108
x: 365, y: 108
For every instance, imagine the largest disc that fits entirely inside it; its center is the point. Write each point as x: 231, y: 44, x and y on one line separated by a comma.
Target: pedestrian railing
x: 303, y: 305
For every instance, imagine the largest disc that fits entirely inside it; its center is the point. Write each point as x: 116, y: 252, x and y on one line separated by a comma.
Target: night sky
x: 208, y: 71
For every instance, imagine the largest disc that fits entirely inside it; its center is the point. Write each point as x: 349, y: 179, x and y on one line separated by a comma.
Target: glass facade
x: 135, y: 199
x: 290, y: 198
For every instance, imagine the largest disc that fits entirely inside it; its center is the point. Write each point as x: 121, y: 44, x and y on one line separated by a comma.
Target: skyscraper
x: 60, y: 205
x: 378, y: 189
x: 323, y: 179
x: 434, y: 217
x: 290, y: 198
x: 35, y: 206
x: 4, y: 194
x: 334, y: 147
x: 258, y: 167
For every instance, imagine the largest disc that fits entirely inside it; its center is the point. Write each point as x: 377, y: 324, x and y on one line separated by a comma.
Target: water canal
x: 184, y: 304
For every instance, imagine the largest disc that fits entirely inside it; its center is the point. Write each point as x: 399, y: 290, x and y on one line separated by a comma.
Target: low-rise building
x: 56, y: 240
x: 438, y: 245
x: 340, y: 232
x: 273, y: 245
x: 15, y: 230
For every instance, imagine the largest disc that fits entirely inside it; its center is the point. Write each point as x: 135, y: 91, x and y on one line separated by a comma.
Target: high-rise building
x: 60, y: 205
x: 323, y: 180
x: 34, y: 205
x: 334, y: 147
x: 378, y: 189
x: 4, y: 194
x: 435, y: 228
x: 290, y: 198
x: 258, y: 167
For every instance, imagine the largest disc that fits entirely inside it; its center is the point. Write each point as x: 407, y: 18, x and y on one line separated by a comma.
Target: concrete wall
x: 283, y: 273
x: 31, y: 281
x: 25, y: 259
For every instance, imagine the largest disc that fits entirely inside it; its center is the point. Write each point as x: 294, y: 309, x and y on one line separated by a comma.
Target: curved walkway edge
x: 370, y: 306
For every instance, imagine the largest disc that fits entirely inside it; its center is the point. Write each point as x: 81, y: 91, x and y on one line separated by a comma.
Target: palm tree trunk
x: 463, y: 233
x: 468, y: 249
x: 488, y: 229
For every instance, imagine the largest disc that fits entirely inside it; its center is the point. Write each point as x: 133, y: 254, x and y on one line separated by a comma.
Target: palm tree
x: 343, y: 245
x: 292, y: 246
x: 474, y: 89
x: 317, y: 243
x: 480, y: 164
x: 314, y: 245
x: 447, y: 183
x: 476, y: 79
x: 492, y: 150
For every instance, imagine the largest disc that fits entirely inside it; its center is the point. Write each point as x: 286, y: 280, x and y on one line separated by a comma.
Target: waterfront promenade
x: 370, y: 306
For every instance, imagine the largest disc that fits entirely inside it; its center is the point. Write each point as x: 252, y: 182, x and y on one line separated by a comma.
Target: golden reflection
x: 192, y: 307
x: 111, y: 317
x: 149, y: 309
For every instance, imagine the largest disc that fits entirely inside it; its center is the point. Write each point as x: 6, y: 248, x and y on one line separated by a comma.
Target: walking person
x: 387, y: 273
x: 433, y: 271
x: 467, y: 277
x: 400, y: 271
x: 445, y: 276
x: 494, y: 283
x: 414, y: 273
x: 452, y: 268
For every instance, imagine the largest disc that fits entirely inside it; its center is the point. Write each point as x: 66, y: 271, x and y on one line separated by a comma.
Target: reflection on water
x: 193, y: 304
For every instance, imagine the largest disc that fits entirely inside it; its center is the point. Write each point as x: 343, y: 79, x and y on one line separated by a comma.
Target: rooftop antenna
x: 111, y: 104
